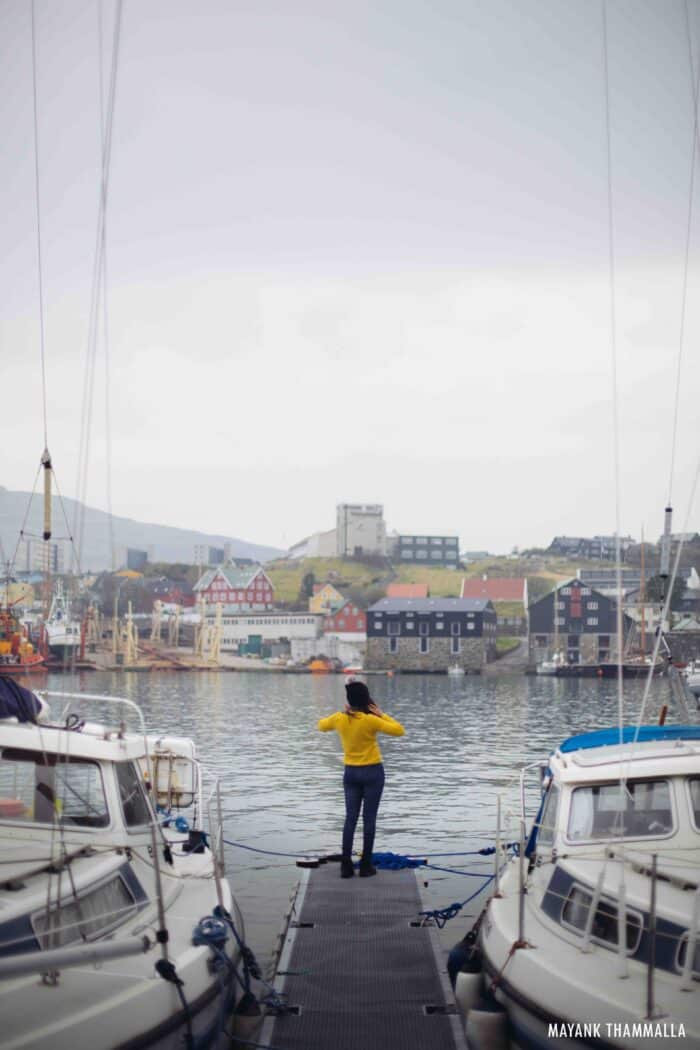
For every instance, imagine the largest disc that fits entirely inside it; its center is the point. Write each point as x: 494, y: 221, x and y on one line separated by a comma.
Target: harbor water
x: 466, y: 740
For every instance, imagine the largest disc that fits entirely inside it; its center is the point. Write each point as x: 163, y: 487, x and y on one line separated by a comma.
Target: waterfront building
x: 349, y: 621
x: 360, y: 530
x: 579, y: 622
x: 430, y: 634
x: 237, y: 589
x: 250, y: 632
x: 426, y: 550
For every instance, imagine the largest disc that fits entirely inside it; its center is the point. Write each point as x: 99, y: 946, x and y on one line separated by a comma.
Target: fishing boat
x: 117, y: 925
x: 595, y: 924
x: 62, y: 631
x: 17, y: 654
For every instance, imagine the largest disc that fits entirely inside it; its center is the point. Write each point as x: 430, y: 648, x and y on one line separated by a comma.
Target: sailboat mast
x: 642, y: 624
x: 46, y: 535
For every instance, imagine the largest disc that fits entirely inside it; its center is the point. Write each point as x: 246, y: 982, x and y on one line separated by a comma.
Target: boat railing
x: 216, y: 838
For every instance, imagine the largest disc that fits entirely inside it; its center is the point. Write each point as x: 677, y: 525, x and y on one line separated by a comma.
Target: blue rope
x: 441, y: 916
x: 395, y: 861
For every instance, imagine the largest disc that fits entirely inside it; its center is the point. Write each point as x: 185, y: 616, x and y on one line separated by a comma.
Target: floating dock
x: 360, y: 972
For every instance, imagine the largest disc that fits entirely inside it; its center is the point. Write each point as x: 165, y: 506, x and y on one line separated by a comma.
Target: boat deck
x: 358, y: 974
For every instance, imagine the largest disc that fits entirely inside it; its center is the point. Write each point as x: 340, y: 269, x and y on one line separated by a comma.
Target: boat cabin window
x: 694, y: 785
x: 38, y: 788
x: 682, y: 953
x: 548, y: 820
x: 574, y: 914
x: 132, y: 796
x: 636, y: 809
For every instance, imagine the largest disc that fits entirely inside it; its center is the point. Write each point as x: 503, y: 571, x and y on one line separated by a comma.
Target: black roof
x: 428, y: 605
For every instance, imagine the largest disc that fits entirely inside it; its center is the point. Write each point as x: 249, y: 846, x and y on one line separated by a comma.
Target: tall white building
x: 360, y: 529
x: 34, y: 555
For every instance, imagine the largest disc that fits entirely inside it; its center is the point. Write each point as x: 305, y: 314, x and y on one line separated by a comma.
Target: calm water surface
x: 282, y: 780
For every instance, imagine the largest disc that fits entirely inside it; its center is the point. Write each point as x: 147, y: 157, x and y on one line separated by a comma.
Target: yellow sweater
x: 358, y: 734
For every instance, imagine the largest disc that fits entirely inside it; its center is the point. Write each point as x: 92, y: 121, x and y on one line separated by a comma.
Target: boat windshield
x: 694, y: 784
x: 36, y: 788
x: 635, y: 809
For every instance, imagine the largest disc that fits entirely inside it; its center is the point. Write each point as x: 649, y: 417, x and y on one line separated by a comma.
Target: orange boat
x: 17, y: 654
x: 319, y: 667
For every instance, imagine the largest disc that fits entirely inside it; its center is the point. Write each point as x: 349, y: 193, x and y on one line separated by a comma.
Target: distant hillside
x: 366, y: 582
x: 167, y: 544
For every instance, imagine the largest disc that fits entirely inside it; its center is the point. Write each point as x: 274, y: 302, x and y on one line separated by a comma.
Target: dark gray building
x: 578, y: 621
x: 136, y: 560
x: 426, y: 550
x: 430, y: 634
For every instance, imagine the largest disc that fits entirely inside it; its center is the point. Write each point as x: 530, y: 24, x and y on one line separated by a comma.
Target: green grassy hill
x: 367, y: 582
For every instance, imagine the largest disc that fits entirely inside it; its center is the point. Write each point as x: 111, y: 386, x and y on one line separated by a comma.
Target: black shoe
x: 347, y: 869
x: 367, y: 870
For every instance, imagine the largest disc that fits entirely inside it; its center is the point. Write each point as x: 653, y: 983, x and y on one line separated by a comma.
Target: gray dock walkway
x: 357, y: 974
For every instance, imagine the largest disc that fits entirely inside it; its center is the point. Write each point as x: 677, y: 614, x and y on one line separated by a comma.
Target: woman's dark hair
x: 358, y: 696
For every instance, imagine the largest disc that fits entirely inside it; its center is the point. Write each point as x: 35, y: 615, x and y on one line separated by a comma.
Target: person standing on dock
x: 363, y: 779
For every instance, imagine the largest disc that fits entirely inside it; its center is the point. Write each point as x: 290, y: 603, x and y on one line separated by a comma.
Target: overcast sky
x: 357, y: 252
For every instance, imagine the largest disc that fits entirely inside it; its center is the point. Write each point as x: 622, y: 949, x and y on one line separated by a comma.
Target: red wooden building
x: 348, y: 619
x: 238, y: 589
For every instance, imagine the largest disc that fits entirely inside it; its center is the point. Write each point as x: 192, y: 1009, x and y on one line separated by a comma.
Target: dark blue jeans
x: 363, y: 790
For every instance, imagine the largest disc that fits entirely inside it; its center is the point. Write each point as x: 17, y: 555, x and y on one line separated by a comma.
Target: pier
x: 360, y: 972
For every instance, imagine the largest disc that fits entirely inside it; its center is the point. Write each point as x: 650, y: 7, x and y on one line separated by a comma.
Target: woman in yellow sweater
x: 363, y: 779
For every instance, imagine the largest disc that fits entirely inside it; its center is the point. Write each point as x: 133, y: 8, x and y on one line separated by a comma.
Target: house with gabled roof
x: 237, y: 588
x: 325, y: 599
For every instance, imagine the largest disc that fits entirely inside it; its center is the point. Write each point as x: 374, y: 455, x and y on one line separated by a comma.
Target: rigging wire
x: 97, y: 274
x: 105, y: 326
x: 695, y: 85
x: 613, y: 352
x: 38, y: 229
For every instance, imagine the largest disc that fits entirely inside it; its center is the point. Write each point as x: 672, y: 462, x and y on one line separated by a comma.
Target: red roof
x: 497, y: 589
x: 407, y: 590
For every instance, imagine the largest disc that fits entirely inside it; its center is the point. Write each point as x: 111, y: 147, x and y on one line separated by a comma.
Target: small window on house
x: 455, y: 645
x: 440, y: 626
x: 592, y: 621
x: 470, y: 626
x: 591, y: 605
x: 424, y: 645
x: 393, y: 645
x: 394, y: 627
x: 423, y: 629
x: 455, y: 628
x: 541, y: 639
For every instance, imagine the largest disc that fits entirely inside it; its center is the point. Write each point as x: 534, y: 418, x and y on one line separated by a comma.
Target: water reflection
x: 282, y: 780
